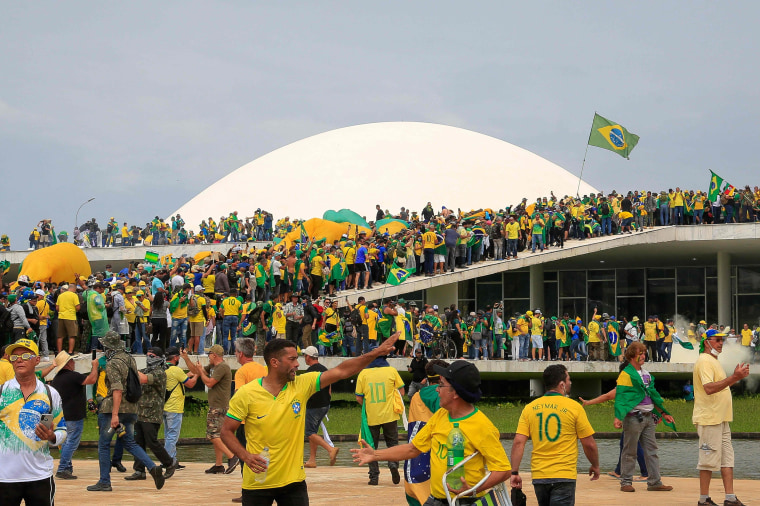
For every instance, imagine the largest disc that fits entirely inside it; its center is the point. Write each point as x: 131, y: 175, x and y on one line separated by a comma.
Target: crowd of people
x: 270, y: 302
x: 133, y: 404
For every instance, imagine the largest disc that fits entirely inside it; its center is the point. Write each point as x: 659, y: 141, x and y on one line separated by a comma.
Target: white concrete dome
x: 393, y: 164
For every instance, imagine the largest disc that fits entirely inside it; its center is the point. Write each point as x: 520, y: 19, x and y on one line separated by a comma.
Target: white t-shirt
x: 276, y: 267
x: 631, y: 332
x: 24, y: 456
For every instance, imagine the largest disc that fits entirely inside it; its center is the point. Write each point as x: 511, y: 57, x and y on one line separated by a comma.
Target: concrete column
x: 537, y: 286
x: 536, y: 387
x: 444, y: 295
x: 724, y: 289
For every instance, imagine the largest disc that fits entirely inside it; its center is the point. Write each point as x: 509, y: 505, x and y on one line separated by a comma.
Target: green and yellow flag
x: 716, y: 184
x: 607, y: 134
x: 613, y: 338
x: 631, y: 391
x: 151, y: 257
x: 5, y: 266
x: 398, y: 275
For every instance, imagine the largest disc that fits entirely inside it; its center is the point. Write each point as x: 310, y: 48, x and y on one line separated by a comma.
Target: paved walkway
x: 330, y: 486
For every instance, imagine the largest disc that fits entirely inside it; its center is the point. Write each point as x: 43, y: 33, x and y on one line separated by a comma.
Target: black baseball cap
x: 464, y: 377
x: 157, y: 351
x: 172, y: 351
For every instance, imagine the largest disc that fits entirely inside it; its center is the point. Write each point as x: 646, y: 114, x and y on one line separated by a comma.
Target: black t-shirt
x: 418, y: 369
x: 70, y: 385
x: 320, y: 399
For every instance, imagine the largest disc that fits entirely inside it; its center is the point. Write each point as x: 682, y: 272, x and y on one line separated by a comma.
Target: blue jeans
x: 607, y: 226
x: 679, y: 215
x: 498, y: 342
x: 524, y: 342
x: 179, y: 332
x: 142, y: 340
x: 698, y: 215
x: 477, y: 344
x: 512, y: 248
x: 664, y: 215
x: 229, y: 326
x: 578, y: 346
x: 73, y: 436
x: 350, y: 343
x: 557, y: 494
x: 665, y: 349
x: 537, y: 239
x: 729, y: 213
x: 128, y: 439
x: 172, y: 426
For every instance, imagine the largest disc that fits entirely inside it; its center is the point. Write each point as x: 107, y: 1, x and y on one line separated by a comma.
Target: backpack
x: 355, y: 318
x: 193, y: 308
x: 665, y: 331
x: 6, y: 323
x: 604, y: 208
x: 132, y: 388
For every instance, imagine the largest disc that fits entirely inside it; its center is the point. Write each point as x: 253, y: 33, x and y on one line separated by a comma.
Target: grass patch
x: 345, y: 416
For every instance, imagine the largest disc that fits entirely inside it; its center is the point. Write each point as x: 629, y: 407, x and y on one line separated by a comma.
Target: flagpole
x: 577, y: 192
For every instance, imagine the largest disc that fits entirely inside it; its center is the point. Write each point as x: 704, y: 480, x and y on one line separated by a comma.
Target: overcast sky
x: 143, y: 104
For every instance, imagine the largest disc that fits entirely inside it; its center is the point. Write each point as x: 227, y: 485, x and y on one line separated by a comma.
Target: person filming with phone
x: 31, y: 419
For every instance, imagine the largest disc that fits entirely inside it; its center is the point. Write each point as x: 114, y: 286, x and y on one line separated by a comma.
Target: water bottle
x: 260, y: 477
x: 455, y: 447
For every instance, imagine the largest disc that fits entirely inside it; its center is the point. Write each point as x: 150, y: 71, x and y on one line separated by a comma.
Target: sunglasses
x: 24, y: 356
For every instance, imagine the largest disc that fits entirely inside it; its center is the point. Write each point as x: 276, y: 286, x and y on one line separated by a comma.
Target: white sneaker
x: 46, y: 359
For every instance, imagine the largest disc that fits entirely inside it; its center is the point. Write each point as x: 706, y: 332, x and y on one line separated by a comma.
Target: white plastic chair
x: 496, y: 496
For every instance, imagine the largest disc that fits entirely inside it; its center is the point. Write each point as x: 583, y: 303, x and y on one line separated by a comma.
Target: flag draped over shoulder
x: 398, y: 275
x: 607, y: 134
x: 613, y: 338
x: 631, y: 391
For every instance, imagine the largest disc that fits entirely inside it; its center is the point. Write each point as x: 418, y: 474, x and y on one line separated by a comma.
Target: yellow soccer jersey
x: 554, y: 423
x: 479, y: 434
x: 274, y: 422
x: 378, y: 385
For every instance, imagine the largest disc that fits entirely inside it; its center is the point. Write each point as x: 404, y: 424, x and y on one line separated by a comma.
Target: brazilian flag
x: 151, y: 257
x: 613, y: 338
x: 631, y: 390
x: 607, y: 134
x: 397, y: 275
x: 716, y: 182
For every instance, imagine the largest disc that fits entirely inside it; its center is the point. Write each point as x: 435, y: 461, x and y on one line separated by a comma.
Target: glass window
x: 467, y: 289
x: 748, y: 279
x: 630, y: 281
x: 692, y: 308
x: 491, y: 278
x: 488, y: 294
x: 516, y: 285
x: 572, y: 284
x: 573, y: 307
x: 747, y: 311
x: 711, y: 302
x: 550, y: 276
x: 465, y: 306
x: 601, y: 295
x: 599, y: 275
x: 628, y: 307
x: 515, y: 306
x: 661, y: 273
x: 550, y: 299
x: 661, y: 298
x: 691, y: 281
x: 711, y: 271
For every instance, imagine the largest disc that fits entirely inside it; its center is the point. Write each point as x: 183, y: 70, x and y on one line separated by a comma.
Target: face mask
x: 714, y: 352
